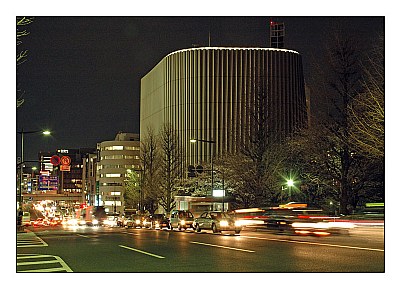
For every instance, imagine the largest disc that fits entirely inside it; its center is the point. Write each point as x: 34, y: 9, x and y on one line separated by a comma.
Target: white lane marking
x: 130, y: 233
x: 143, y: 252
x: 225, y: 247
x: 314, y: 243
x: 83, y: 235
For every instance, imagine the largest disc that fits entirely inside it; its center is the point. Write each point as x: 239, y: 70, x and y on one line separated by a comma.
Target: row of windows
x: 114, y: 157
x: 113, y: 175
x: 112, y: 184
x: 118, y: 166
x: 120, y: 147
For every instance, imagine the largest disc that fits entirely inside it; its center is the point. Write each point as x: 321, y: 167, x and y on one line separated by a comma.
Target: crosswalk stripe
x: 30, y: 240
x: 50, y: 259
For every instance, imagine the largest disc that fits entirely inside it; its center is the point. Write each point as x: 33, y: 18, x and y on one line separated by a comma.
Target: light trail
x: 314, y: 243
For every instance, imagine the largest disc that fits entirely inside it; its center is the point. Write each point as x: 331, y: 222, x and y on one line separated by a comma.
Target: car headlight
x: 137, y: 221
x: 238, y: 223
x: 95, y: 222
x: 183, y: 222
x: 224, y: 223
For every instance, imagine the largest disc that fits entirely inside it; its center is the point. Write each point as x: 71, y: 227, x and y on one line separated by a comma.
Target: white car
x: 217, y: 221
x: 111, y: 221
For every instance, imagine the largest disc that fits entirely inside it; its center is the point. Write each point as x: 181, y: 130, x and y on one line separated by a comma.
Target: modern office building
x: 114, y: 159
x: 89, y: 179
x: 217, y: 94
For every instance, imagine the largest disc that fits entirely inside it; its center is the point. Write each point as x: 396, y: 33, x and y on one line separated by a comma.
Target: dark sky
x: 82, y: 77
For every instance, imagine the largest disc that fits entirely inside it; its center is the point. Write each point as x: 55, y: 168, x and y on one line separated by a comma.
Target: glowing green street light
x: 290, y: 184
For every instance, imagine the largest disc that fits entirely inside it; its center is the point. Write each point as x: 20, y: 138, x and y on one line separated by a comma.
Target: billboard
x: 48, y: 182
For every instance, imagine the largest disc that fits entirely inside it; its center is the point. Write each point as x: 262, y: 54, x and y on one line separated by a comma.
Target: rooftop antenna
x: 276, y: 34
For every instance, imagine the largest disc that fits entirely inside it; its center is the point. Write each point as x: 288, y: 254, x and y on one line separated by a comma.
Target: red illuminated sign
x: 65, y: 160
x: 55, y: 160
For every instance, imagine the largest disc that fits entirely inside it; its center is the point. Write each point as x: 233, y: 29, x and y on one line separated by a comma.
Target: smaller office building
x: 114, y: 159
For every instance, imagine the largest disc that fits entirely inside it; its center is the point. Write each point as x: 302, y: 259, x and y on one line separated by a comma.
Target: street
x: 101, y: 249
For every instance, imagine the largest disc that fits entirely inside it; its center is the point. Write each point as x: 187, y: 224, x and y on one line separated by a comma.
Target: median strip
x: 143, y: 252
x: 225, y: 247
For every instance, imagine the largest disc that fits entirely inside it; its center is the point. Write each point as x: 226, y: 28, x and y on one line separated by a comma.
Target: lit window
x: 114, y: 148
x: 111, y: 175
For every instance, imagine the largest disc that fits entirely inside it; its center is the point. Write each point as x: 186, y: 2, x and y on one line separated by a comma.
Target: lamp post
x: 290, y: 184
x: 212, y: 164
x: 22, y: 133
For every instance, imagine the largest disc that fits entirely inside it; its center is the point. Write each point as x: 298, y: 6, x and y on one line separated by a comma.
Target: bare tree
x: 336, y: 162
x: 367, y: 114
x: 21, y: 54
x: 170, y: 167
x: 150, y: 162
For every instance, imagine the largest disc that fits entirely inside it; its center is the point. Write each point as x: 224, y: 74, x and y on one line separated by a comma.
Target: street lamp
x: 212, y: 164
x: 290, y: 184
x: 22, y: 133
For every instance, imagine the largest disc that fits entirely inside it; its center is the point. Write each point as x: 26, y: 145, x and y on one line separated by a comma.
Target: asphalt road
x: 101, y: 249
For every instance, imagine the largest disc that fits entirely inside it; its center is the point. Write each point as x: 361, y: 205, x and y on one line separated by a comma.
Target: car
x: 159, y: 221
x: 146, y: 222
x: 181, y: 219
x: 134, y: 221
x: 279, y: 223
x: 40, y: 222
x: 217, y: 221
x: 111, y: 221
x: 55, y: 221
x: 120, y: 221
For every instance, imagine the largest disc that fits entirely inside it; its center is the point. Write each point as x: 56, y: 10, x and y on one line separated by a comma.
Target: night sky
x: 82, y: 77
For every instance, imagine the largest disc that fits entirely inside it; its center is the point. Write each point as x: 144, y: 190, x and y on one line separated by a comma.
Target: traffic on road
x: 279, y: 239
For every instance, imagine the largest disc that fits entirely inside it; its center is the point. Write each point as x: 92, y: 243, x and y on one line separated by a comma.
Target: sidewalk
x: 22, y: 229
